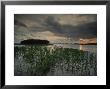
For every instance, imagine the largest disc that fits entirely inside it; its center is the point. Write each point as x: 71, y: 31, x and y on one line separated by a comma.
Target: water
x: 90, y: 48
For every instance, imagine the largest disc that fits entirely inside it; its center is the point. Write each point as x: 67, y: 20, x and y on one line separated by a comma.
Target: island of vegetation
x: 34, y: 41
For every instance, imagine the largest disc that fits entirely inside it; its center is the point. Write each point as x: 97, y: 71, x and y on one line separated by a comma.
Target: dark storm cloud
x: 56, y: 25
x: 88, y: 30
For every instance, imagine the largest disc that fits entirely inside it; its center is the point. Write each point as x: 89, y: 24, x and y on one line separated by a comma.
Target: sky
x: 56, y: 28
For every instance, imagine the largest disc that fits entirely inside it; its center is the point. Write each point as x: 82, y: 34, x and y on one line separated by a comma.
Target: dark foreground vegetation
x: 53, y: 61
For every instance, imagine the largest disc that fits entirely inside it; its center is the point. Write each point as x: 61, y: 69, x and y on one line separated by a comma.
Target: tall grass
x: 45, y: 61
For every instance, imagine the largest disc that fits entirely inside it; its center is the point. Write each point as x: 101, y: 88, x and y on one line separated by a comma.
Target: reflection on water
x: 90, y: 48
x: 81, y: 47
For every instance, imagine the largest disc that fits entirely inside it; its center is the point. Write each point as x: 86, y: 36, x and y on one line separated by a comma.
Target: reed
x: 43, y: 61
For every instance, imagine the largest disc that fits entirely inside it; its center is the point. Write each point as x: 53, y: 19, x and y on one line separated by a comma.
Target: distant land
x: 86, y: 44
x: 46, y: 42
x: 33, y: 42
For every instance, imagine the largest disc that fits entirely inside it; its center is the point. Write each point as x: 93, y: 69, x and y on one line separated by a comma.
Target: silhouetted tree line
x: 34, y: 41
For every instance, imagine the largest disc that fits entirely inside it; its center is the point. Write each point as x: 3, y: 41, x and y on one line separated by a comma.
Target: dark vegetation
x: 34, y: 60
x: 34, y: 41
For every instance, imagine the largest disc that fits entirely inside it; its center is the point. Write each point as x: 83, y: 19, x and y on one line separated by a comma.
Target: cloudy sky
x: 57, y: 28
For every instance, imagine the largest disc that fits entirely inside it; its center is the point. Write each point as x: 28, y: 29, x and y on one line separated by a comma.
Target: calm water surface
x: 90, y: 48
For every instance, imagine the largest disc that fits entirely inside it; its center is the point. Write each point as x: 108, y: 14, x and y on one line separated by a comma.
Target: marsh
x: 70, y: 47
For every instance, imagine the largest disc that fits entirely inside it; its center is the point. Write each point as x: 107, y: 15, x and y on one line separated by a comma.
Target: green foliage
x: 40, y: 60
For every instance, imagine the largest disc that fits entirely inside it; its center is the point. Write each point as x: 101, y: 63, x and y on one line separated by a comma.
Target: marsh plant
x: 34, y: 60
